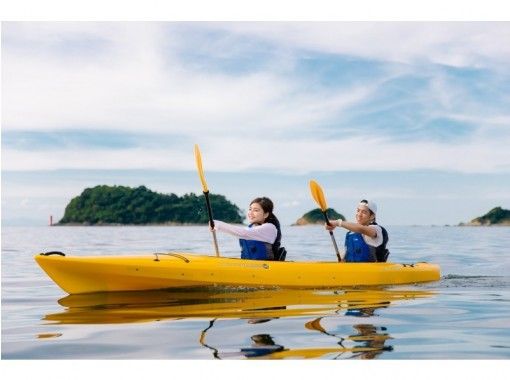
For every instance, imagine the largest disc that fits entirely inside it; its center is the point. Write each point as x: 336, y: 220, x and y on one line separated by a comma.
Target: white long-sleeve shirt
x: 266, y: 232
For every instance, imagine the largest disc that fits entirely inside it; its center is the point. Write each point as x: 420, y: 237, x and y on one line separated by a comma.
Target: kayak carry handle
x: 53, y: 253
x: 186, y: 260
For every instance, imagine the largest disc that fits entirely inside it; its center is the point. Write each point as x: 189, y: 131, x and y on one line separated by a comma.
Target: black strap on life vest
x: 279, y: 252
x: 381, y: 252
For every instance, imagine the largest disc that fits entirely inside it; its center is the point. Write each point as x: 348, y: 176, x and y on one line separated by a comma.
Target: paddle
x: 318, y: 196
x: 198, y: 159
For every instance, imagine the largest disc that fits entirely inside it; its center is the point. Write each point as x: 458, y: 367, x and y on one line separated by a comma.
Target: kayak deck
x: 88, y: 274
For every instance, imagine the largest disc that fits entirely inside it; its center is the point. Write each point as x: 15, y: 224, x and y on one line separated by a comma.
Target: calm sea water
x: 465, y: 315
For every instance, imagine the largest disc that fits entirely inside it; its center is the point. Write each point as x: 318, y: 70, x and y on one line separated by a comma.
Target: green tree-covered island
x: 315, y: 216
x: 122, y: 205
x: 496, y: 217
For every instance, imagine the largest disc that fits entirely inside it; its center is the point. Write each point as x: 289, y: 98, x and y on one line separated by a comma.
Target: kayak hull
x: 89, y: 274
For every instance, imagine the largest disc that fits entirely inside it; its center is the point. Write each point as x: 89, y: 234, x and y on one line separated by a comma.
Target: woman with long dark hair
x: 262, y: 238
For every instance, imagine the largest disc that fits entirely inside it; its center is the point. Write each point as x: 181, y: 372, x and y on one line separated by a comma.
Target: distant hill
x: 105, y: 205
x: 495, y: 217
x: 315, y: 216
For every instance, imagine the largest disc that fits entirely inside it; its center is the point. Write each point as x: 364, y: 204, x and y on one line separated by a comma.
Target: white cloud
x: 242, y: 122
x: 131, y: 90
x: 457, y: 44
x: 49, y: 95
x: 134, y: 82
x: 298, y: 156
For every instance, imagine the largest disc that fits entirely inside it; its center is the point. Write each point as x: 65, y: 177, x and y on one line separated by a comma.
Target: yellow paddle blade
x: 318, y: 195
x: 198, y: 159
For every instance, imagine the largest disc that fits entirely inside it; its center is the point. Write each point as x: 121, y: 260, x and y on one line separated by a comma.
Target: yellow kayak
x: 88, y: 274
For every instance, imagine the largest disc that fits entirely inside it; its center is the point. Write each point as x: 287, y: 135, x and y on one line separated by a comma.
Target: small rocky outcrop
x: 316, y: 216
x: 495, y: 217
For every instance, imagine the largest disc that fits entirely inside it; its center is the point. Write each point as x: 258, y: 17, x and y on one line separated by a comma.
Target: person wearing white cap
x: 365, y: 240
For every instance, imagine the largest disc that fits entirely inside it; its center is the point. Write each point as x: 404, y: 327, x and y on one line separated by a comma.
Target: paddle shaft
x: 332, y: 237
x: 211, y: 222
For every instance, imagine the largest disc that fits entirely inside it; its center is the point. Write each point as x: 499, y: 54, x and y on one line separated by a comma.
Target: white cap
x: 371, y: 205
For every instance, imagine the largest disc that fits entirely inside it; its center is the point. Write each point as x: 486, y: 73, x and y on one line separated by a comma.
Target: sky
x: 412, y: 115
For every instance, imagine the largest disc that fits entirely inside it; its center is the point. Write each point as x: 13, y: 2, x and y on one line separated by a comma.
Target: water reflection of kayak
x: 367, y: 343
x: 177, y: 270
x: 221, y: 302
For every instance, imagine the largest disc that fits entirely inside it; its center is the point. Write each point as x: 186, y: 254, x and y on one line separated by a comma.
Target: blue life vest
x: 256, y: 249
x: 358, y: 251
